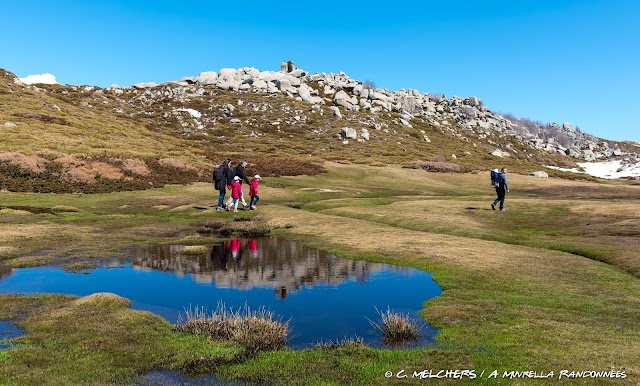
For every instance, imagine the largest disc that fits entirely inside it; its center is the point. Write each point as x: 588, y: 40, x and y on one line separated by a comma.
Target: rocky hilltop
x: 345, y: 94
x: 119, y: 136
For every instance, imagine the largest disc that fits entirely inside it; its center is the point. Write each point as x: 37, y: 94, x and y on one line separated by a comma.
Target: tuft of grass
x: 19, y: 212
x: 79, y: 266
x: 64, y: 209
x: 255, y: 330
x: 356, y: 341
x: 396, y: 327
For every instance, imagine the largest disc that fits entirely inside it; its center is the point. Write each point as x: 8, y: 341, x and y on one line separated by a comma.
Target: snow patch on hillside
x: 609, y: 169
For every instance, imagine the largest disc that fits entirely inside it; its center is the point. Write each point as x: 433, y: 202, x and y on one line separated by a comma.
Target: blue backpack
x: 495, y: 178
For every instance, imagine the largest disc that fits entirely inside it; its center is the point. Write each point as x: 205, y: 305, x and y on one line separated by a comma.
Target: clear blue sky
x: 559, y: 61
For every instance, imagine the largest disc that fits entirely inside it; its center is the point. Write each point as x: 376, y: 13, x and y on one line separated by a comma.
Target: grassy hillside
x: 64, y: 138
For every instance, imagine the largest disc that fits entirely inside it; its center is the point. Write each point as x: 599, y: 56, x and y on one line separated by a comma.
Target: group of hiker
x: 227, y: 178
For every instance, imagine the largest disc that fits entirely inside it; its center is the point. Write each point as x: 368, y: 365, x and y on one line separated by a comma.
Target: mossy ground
x: 551, y: 284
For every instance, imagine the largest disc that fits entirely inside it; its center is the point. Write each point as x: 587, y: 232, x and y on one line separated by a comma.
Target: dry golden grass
x: 256, y: 330
x: 397, y: 328
x: 478, y: 256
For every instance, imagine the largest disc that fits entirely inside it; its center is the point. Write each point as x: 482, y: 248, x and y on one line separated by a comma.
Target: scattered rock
x: 500, y: 153
x: 539, y: 174
x: 336, y: 112
x: 348, y: 133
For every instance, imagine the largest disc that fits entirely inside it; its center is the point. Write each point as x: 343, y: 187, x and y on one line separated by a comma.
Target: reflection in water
x: 325, y: 297
x: 8, y: 331
x: 281, y: 264
x: 168, y: 377
x: 5, y: 271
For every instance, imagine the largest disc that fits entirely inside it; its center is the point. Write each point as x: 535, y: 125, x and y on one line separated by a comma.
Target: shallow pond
x: 8, y: 331
x: 325, y: 297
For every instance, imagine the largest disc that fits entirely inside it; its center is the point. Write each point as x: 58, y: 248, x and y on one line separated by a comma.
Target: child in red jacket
x: 253, y: 192
x: 236, y: 193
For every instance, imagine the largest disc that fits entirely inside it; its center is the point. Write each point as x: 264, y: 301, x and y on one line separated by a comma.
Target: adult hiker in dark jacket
x: 238, y: 171
x: 221, y: 183
x: 501, y: 190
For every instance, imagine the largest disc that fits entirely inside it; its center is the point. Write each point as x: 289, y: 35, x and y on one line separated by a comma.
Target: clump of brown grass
x: 396, y: 327
x: 255, y: 330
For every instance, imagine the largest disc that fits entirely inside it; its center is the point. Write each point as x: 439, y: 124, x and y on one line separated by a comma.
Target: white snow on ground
x: 41, y: 78
x: 609, y: 169
x: 194, y: 113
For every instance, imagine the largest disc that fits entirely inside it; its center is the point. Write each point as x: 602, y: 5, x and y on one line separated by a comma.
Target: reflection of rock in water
x: 281, y: 264
x: 5, y: 271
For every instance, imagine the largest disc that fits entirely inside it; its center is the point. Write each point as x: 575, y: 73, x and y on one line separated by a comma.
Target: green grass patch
x: 28, y: 261
x: 80, y: 266
x: 98, y: 340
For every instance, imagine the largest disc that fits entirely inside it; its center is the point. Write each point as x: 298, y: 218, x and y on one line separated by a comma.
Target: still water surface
x: 325, y: 297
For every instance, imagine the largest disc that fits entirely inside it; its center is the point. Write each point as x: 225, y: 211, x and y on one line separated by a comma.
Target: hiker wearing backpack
x: 501, y: 190
x: 220, y: 178
x: 238, y: 171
